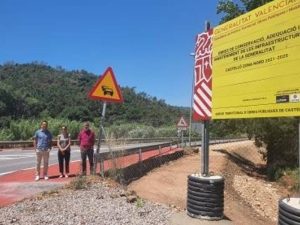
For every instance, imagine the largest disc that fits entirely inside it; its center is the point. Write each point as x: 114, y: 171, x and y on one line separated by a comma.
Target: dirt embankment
x: 249, y: 198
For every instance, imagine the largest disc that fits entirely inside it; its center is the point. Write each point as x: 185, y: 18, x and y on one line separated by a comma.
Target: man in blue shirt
x: 43, y: 144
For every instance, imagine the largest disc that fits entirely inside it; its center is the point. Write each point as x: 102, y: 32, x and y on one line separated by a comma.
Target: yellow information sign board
x: 256, y: 63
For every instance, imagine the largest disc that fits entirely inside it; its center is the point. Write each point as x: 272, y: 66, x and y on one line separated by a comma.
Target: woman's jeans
x: 64, y: 157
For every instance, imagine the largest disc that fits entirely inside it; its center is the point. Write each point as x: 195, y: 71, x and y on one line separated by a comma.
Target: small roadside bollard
x: 289, y: 211
x: 205, y: 199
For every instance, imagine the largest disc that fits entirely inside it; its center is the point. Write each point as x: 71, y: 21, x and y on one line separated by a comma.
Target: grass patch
x: 139, y: 202
x: 84, y: 182
x: 78, y: 183
x: 289, y: 178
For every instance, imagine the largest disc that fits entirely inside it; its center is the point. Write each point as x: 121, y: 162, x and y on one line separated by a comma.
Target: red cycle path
x: 19, y: 185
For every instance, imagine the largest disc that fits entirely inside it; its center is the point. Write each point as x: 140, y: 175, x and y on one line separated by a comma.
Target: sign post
x: 205, y: 137
x: 101, y: 131
x: 102, y: 116
x: 181, y: 126
x: 205, y: 148
x: 107, y: 90
x: 202, y: 106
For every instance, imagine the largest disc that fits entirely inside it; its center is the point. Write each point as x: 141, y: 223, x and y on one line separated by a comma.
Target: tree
x: 280, y: 136
x: 232, y: 10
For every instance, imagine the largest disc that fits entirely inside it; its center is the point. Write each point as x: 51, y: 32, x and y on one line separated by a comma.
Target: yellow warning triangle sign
x: 106, y: 88
x: 182, y: 123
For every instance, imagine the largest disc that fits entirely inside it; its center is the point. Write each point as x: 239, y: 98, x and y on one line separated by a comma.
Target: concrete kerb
x: 180, y: 218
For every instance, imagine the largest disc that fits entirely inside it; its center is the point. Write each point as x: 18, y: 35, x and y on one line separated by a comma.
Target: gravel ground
x: 261, y: 195
x: 97, y: 204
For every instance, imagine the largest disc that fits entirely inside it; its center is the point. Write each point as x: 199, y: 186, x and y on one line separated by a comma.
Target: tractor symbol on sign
x: 107, y: 90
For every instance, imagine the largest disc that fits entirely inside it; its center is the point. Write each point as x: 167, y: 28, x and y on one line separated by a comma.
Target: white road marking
x: 12, y: 157
x: 1, y: 174
x: 32, y: 168
x: 4, y: 157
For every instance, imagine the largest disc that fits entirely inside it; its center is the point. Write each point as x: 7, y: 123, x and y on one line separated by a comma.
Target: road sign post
x: 107, y: 90
x: 203, y: 91
x: 181, y: 126
x: 205, y: 135
x: 102, y: 115
x: 205, y: 149
x: 101, y: 131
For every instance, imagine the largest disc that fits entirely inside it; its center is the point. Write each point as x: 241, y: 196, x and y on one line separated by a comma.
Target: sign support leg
x: 101, y: 130
x: 205, y: 149
x: 205, y: 135
x: 181, y: 131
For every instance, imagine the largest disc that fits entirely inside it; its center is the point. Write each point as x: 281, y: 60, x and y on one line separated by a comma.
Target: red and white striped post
x: 203, y: 90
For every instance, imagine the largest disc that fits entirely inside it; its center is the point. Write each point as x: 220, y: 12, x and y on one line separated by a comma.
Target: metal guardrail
x: 29, y: 143
x: 194, y: 141
x: 161, y: 155
x: 178, y: 143
x: 135, y: 150
x: 218, y: 141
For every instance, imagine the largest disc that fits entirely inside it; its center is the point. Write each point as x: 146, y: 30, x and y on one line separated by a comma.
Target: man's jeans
x: 40, y: 154
x: 90, y: 154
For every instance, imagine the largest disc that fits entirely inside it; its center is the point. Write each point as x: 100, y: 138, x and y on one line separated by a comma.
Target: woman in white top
x: 64, y: 151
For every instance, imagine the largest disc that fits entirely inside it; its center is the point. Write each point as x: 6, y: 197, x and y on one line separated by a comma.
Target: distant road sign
x: 182, y: 124
x: 106, y: 88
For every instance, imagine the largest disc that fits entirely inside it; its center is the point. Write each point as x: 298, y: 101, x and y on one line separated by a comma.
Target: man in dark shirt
x: 86, y: 140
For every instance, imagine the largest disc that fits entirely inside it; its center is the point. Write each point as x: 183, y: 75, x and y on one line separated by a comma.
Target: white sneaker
x: 46, y: 178
x: 61, y: 176
x: 37, y: 178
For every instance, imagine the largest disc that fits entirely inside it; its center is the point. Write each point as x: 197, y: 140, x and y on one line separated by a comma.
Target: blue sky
x: 146, y: 42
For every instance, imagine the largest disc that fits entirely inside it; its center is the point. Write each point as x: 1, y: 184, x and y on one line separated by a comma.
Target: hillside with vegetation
x: 37, y: 91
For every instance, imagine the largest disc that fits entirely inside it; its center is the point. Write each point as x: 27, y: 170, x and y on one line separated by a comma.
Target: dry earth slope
x: 249, y: 198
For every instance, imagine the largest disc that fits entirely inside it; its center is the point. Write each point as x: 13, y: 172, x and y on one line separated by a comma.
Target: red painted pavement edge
x: 18, y: 185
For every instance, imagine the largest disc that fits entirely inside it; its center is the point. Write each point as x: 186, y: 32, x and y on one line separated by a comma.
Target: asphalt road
x: 18, y: 159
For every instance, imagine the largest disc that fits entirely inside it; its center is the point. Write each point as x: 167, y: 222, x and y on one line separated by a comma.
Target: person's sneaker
x: 37, y: 178
x: 61, y: 176
x: 66, y: 176
x: 46, y: 178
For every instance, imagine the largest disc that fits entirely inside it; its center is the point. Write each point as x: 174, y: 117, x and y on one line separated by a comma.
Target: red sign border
x: 109, y: 69
x: 187, y: 125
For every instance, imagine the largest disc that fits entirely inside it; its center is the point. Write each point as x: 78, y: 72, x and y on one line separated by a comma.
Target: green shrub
x: 6, y: 134
x: 25, y: 129
x: 140, y: 131
x: 78, y: 183
x: 139, y: 202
